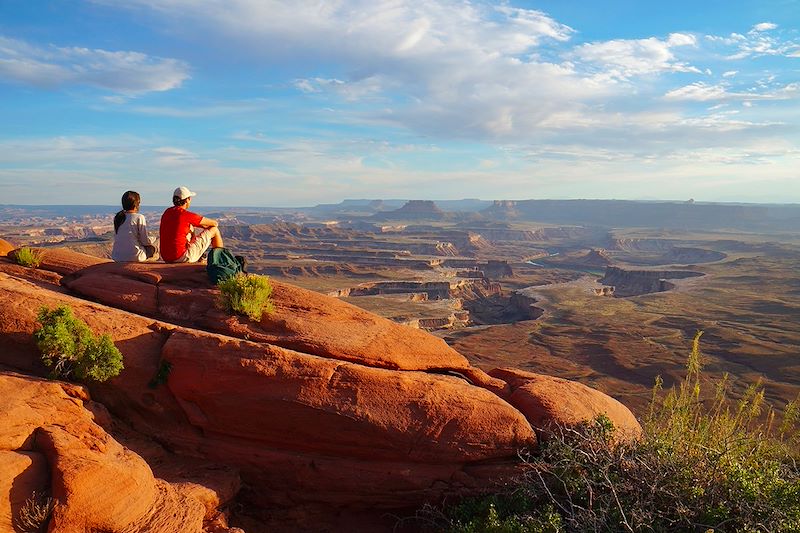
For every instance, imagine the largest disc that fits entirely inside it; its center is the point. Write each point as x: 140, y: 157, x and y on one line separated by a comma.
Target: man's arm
x: 208, y: 223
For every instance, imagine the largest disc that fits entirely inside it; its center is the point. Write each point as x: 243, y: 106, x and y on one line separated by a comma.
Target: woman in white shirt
x: 131, y: 242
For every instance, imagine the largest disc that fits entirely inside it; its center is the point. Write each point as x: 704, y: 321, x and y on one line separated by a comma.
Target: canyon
x: 599, y: 298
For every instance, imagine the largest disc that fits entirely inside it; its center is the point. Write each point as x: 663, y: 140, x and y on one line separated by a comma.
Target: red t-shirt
x: 176, y: 224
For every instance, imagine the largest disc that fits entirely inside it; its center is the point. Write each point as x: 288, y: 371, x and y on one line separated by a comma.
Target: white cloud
x: 304, y: 171
x: 306, y: 86
x: 196, y: 109
x: 764, y: 26
x: 757, y: 43
x: 127, y: 73
x: 765, y: 89
x: 627, y: 58
x: 468, y: 67
x: 681, y: 39
x: 352, y: 90
x: 460, y: 69
x: 364, y: 28
x: 699, y: 92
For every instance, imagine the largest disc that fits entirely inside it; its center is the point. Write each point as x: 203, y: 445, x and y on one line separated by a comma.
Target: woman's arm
x: 141, y: 233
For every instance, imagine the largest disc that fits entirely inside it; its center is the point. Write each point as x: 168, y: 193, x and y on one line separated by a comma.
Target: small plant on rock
x: 34, y: 513
x: 246, y: 294
x: 28, y: 257
x: 71, y: 350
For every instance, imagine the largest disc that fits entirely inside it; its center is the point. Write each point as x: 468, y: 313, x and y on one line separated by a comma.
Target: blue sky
x: 257, y: 102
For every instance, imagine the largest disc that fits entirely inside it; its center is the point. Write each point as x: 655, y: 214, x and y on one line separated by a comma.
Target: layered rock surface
x: 50, y: 443
x: 318, y: 403
x: 636, y: 282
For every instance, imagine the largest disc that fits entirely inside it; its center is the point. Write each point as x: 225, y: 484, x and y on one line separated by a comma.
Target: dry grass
x: 34, y: 514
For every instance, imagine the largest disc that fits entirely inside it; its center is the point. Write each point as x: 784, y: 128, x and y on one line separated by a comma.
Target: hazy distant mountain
x: 624, y: 213
x: 610, y: 213
x: 414, y: 210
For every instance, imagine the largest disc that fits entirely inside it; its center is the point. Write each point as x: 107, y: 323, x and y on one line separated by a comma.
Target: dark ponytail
x: 130, y: 201
x: 119, y: 218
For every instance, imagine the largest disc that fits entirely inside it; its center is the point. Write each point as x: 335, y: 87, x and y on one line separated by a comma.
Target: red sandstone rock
x: 36, y: 275
x: 139, y: 339
x: 547, y: 400
x: 462, y: 426
x: 329, y: 421
x: 22, y: 474
x: 120, y: 292
x: 5, y: 247
x: 303, y: 320
x: 99, y: 485
x: 65, y: 261
x: 294, y: 401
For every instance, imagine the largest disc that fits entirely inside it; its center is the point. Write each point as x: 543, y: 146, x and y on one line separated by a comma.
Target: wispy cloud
x: 393, y: 97
x: 196, y: 109
x: 123, y: 72
x: 624, y: 59
x: 763, y: 39
x: 764, y: 26
x: 704, y: 92
x: 472, y: 68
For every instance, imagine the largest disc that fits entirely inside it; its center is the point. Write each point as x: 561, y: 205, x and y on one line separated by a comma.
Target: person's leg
x: 197, y: 248
x: 216, y: 237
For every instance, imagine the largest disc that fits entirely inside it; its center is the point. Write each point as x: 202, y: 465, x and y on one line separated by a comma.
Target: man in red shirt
x: 185, y: 236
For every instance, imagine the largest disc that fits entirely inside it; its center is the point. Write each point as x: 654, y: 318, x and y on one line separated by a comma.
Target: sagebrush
x: 246, y: 294
x: 28, y: 257
x: 701, y: 464
x: 34, y: 513
x: 70, y: 349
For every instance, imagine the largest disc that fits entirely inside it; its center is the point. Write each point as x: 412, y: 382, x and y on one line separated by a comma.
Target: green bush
x: 28, y: 257
x: 700, y: 465
x: 71, y: 350
x: 246, y: 294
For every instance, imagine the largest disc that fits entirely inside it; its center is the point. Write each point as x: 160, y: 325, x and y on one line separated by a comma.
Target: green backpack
x: 222, y: 264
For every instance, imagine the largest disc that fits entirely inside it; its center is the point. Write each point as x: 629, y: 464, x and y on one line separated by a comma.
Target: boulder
x: 120, y: 292
x: 294, y: 401
x: 546, y: 401
x: 98, y: 484
x: 309, y: 429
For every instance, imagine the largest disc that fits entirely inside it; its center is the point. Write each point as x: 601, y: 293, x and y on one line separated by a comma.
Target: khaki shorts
x: 196, y: 249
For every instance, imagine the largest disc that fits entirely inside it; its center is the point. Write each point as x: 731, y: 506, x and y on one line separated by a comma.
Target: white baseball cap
x: 183, y: 193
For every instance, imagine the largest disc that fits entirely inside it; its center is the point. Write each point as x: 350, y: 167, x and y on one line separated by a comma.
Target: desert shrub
x: 34, y: 514
x: 28, y: 257
x: 246, y: 294
x: 71, y: 350
x: 700, y: 465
